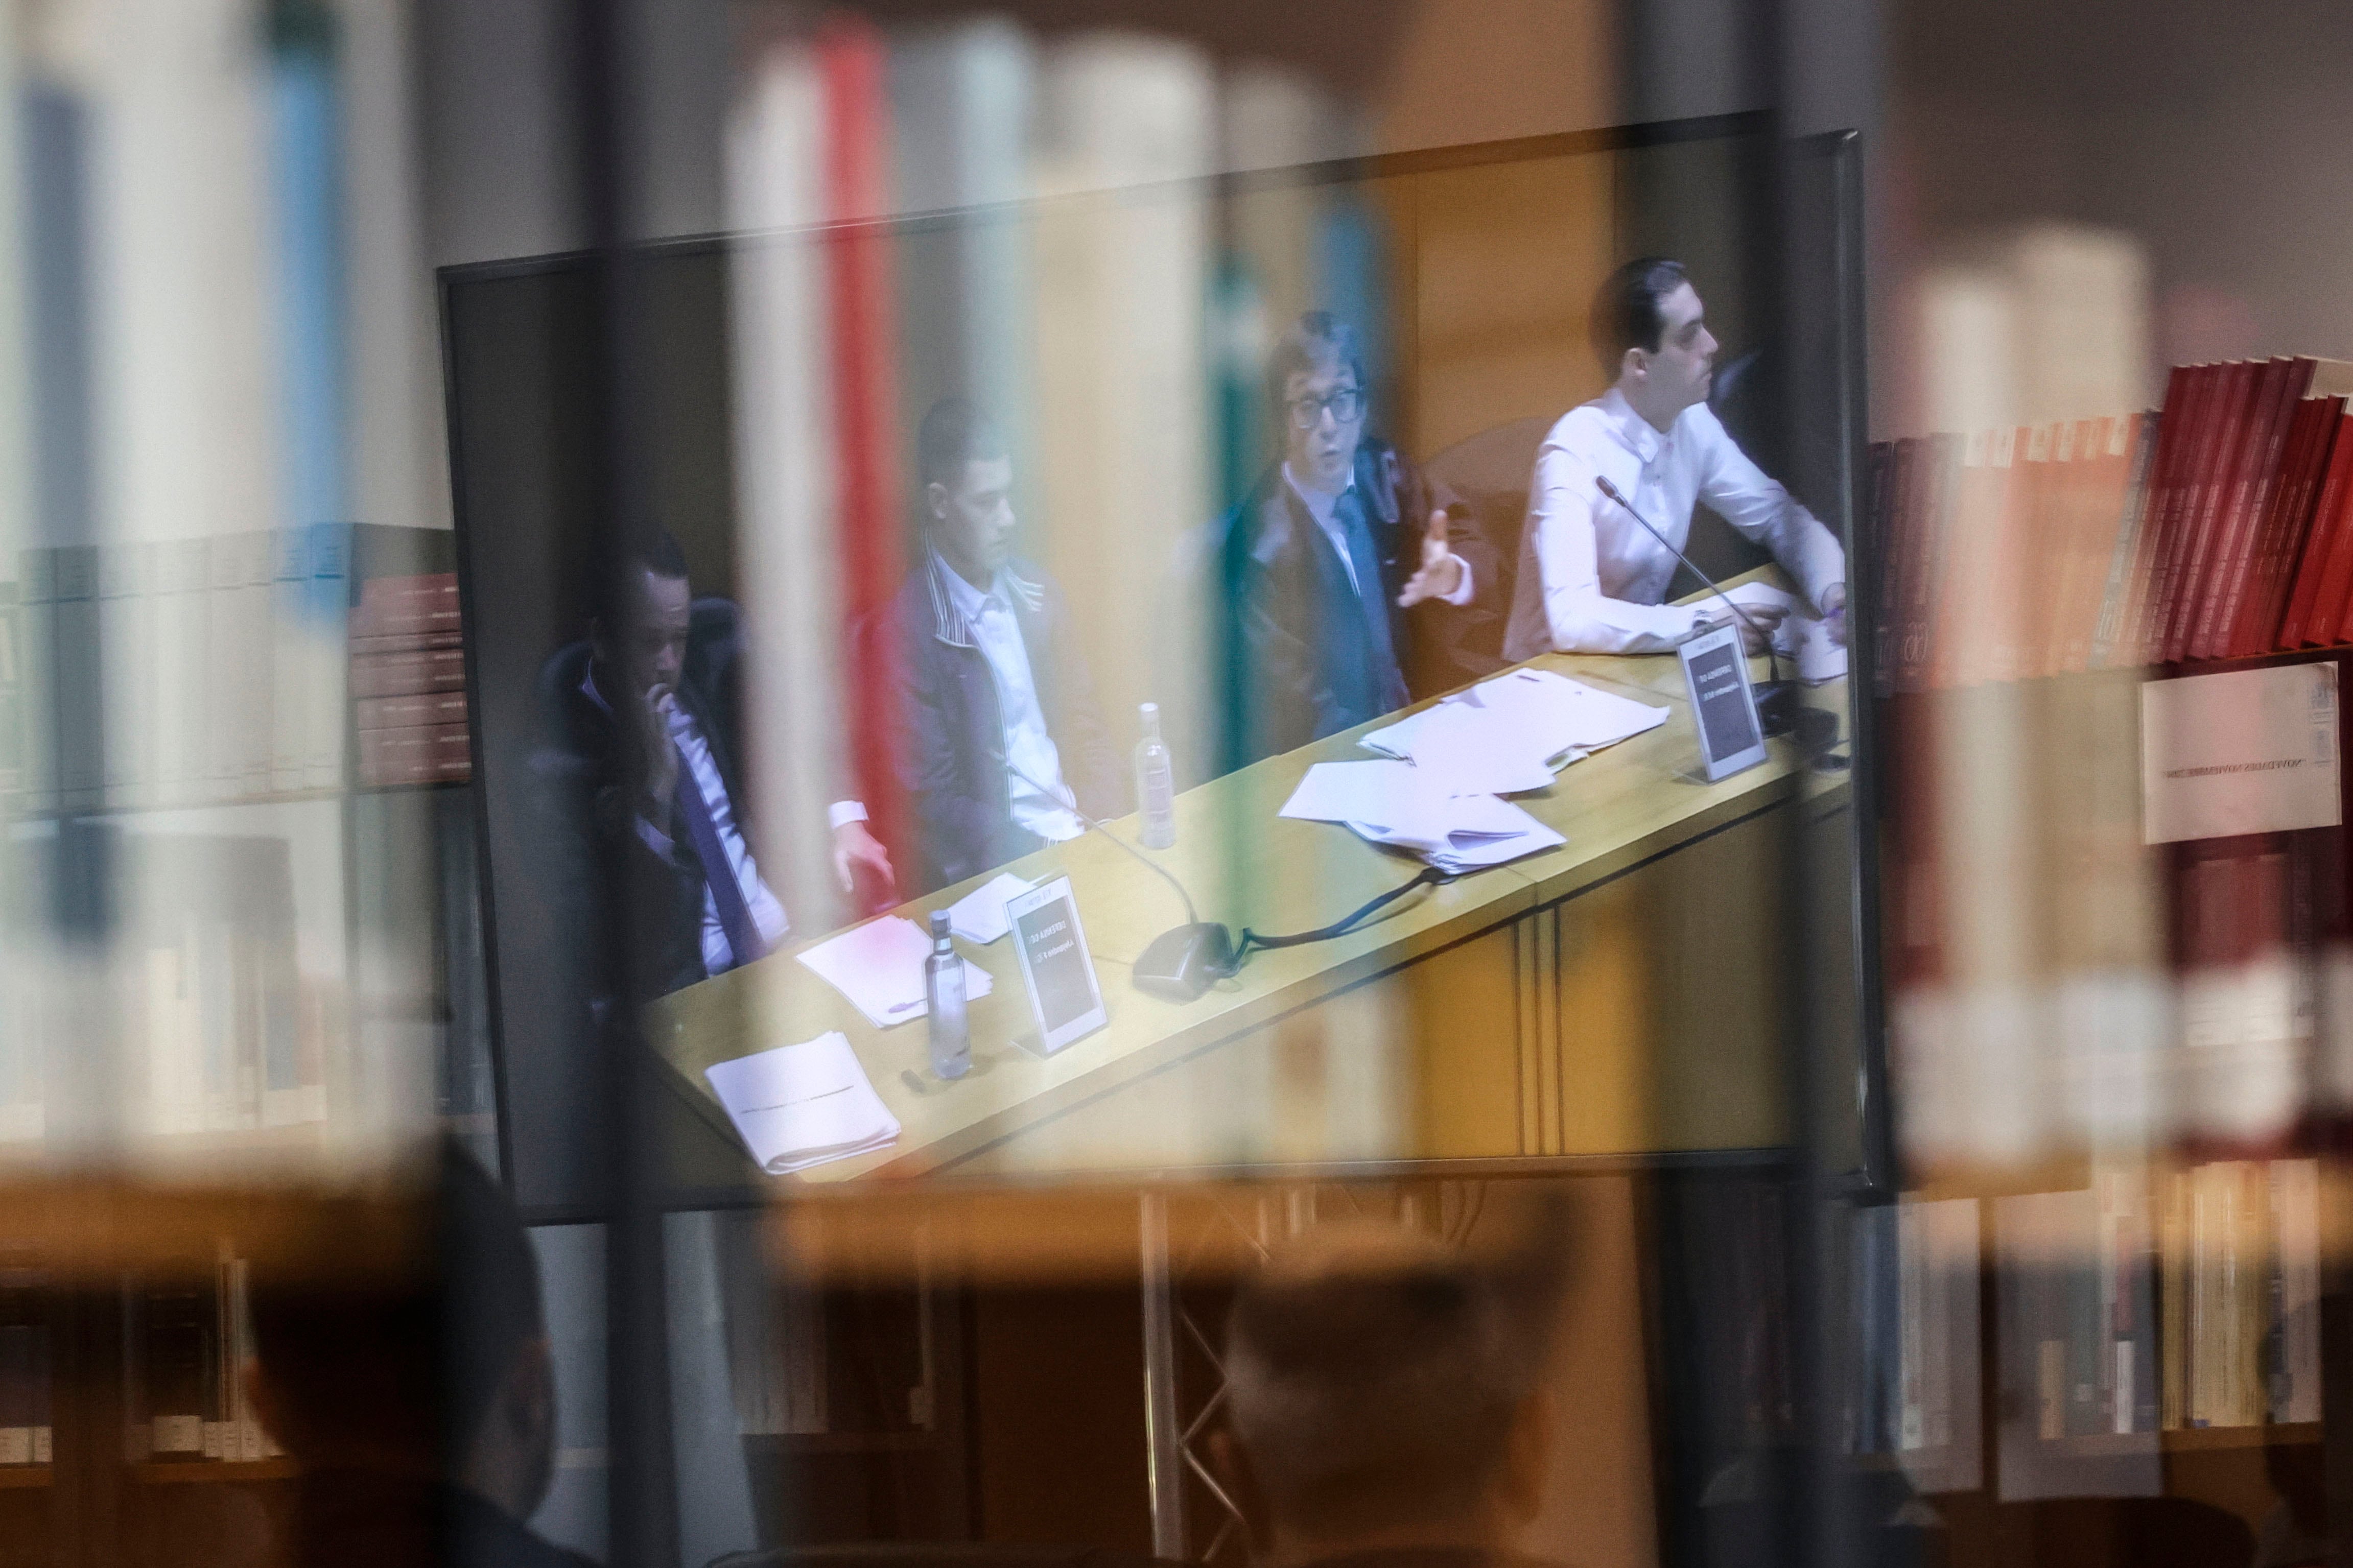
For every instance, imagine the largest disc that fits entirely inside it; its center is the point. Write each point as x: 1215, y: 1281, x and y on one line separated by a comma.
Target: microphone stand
x: 1777, y: 699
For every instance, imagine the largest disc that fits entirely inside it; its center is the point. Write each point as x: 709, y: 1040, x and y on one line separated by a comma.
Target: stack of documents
x: 1500, y: 734
x: 1397, y: 803
x: 979, y: 916
x: 1437, y: 795
x: 799, y: 1106
x: 880, y: 967
x: 1800, y: 638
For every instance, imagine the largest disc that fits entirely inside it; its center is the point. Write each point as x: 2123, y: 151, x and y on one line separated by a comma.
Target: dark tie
x: 718, y: 872
x: 1372, y: 598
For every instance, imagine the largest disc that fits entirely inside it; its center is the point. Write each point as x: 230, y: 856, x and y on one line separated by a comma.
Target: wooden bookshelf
x: 174, y: 1472
x: 23, y: 1477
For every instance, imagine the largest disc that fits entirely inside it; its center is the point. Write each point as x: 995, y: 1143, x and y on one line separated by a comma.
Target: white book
x: 781, y: 347
x: 1123, y: 363
x: 797, y: 1106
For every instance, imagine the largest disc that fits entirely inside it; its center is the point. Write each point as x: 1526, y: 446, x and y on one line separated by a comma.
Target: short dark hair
x: 401, y: 1321
x: 1626, y: 314
x: 1374, y: 1377
x: 653, y: 548
x: 1315, y: 341
x: 955, y: 431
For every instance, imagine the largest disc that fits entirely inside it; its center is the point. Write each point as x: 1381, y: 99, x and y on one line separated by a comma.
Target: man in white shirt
x: 1591, y: 577
x: 999, y: 745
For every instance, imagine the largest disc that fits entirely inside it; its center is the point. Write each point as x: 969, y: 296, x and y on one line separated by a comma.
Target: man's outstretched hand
x: 1441, y: 569
x: 855, y: 849
x: 1834, y: 612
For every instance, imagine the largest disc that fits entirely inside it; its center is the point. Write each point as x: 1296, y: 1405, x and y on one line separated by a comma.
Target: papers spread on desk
x: 979, y: 916
x: 1491, y: 737
x: 799, y: 1106
x: 880, y: 967
x: 1803, y: 639
x: 1398, y: 804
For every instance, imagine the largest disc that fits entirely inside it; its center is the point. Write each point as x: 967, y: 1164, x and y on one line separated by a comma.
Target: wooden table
x: 1617, y: 995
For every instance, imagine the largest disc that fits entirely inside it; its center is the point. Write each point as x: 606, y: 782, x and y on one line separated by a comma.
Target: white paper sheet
x: 1527, y: 716
x: 1340, y: 791
x: 799, y: 1106
x: 2244, y: 751
x: 979, y: 916
x: 880, y: 967
x: 1802, y: 639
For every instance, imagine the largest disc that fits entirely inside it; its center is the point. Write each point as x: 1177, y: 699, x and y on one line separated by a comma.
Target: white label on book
x: 179, y: 1434
x: 16, y: 1444
x: 2247, y: 750
x: 40, y: 1445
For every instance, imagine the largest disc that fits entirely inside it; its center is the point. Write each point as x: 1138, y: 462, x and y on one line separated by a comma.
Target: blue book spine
x: 307, y: 139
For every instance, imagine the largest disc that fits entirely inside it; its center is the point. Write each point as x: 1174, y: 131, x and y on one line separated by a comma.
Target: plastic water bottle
x: 951, y: 1036
x: 1156, y: 783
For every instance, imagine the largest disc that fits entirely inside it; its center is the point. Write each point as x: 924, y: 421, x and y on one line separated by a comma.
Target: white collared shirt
x: 1323, y: 505
x: 1028, y: 746
x: 701, y: 774
x: 1591, y: 578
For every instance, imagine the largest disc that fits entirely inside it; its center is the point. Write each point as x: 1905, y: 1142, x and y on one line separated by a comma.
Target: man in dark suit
x: 999, y: 742
x: 678, y: 828
x: 1351, y: 587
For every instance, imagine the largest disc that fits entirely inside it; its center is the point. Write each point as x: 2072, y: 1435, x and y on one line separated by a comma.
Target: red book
x: 403, y: 674
x: 411, y: 712
x: 2300, y: 592
x: 2279, y: 389
x: 2329, y: 535
x: 2187, y: 392
x: 853, y: 61
x: 407, y: 607
x: 434, y: 753
x: 2280, y: 543
x: 2217, y: 458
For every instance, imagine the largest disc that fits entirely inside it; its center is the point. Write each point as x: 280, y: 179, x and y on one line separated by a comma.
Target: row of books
x: 220, y: 1029
x: 189, y: 1339
x: 408, y: 681
x: 2219, y: 526
x: 2146, y: 1302
x: 205, y: 670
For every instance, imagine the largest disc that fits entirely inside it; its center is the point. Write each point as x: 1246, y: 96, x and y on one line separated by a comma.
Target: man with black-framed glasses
x: 1350, y: 584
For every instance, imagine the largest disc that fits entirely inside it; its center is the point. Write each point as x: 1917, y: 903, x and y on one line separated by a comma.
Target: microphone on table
x: 1778, y: 710
x: 1181, y: 964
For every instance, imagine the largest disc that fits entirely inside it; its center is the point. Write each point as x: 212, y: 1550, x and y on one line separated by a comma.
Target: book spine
x: 326, y: 617
x: 2115, y: 593
x: 2177, y: 488
x: 293, y: 677
x: 2251, y: 629
x: 435, y: 753
x: 2333, y: 521
x: 13, y: 739
x: 81, y: 697
x: 407, y: 674
x: 410, y: 713
x: 2279, y: 388
x: 2302, y: 551
x: 2202, y: 521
